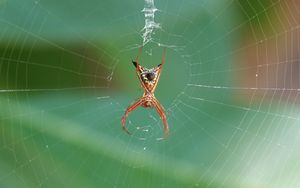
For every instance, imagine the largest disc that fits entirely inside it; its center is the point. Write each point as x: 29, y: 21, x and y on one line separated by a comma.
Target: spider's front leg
x: 160, y: 110
x: 131, y: 108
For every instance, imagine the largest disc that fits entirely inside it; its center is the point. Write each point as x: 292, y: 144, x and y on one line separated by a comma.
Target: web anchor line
x: 150, y: 24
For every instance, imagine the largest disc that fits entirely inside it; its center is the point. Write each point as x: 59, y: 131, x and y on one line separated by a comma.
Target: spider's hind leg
x: 160, y: 110
x: 131, y: 108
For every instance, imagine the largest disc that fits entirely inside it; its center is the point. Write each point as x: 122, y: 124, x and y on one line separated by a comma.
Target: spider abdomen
x: 148, y: 77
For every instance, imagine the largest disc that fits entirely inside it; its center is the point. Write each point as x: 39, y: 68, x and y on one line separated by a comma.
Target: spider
x: 148, y: 79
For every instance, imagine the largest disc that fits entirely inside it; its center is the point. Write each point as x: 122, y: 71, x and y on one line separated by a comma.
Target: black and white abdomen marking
x: 148, y: 76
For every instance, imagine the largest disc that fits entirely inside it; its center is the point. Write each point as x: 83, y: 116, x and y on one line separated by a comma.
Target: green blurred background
x: 230, y: 87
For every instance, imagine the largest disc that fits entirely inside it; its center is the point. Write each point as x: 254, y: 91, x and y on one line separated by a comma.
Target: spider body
x: 148, y: 79
x: 148, y: 101
x: 149, y: 76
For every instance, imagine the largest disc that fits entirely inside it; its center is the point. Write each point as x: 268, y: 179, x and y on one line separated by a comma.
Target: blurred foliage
x: 256, y: 9
x: 73, y: 138
x: 258, y: 15
x: 37, y: 67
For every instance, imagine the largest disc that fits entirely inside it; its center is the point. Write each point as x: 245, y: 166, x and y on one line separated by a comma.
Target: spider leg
x: 160, y: 110
x: 159, y: 69
x: 139, y: 53
x: 131, y: 108
x: 138, y: 68
x: 136, y: 62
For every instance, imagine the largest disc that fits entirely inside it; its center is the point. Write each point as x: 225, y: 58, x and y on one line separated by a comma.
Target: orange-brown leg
x: 131, y: 108
x: 160, y: 110
x: 139, y: 54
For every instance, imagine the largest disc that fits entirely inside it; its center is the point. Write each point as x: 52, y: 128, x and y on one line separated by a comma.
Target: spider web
x: 230, y: 88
